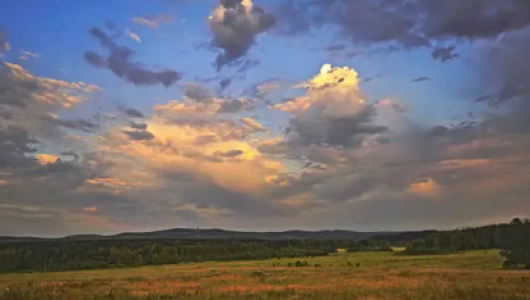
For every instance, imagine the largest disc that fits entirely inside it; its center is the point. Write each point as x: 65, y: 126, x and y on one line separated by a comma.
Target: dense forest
x: 513, y: 239
x: 29, y: 256
x: 45, y: 256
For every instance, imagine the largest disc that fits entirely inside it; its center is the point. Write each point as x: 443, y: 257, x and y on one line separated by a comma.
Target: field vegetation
x: 344, y: 275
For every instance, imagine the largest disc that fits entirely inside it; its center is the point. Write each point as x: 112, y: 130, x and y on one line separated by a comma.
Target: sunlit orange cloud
x: 3, y: 182
x: 219, y: 12
x: 90, y: 209
x: 174, y: 149
x: 426, y: 187
x: 335, y: 90
x: 253, y: 124
x: 117, y: 185
x: 45, y: 159
x: 298, y: 200
x: 53, y: 91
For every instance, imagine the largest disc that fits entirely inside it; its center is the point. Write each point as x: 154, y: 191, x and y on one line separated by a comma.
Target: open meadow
x: 363, y: 275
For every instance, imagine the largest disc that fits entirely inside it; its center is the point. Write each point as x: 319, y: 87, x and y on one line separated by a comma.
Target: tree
x: 516, y: 248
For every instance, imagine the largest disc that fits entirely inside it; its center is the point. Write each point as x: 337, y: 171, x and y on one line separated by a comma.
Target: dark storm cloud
x: 444, y: 53
x: 235, y: 29
x: 119, y: 62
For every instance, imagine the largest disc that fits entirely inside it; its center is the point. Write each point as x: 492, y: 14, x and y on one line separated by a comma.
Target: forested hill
x: 185, y: 233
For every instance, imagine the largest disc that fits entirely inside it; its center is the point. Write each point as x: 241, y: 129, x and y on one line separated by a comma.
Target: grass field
x: 367, y: 275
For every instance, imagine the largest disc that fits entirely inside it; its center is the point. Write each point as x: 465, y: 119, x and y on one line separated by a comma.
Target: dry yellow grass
x: 374, y: 275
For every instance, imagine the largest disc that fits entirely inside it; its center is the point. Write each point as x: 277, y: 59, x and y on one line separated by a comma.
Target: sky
x: 256, y: 115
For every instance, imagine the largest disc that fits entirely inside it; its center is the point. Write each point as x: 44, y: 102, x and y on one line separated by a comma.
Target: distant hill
x: 188, y: 233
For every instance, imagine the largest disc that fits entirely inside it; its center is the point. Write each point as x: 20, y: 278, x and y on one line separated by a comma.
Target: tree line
x: 513, y: 239
x: 43, y: 256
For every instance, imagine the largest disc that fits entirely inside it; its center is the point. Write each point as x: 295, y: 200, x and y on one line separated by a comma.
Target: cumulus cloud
x: 119, y: 62
x: 235, y: 25
x: 333, y: 112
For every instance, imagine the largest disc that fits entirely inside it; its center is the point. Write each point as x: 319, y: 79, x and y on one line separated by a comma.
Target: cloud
x: 474, y: 19
x: 131, y: 112
x: 16, y: 142
x: 410, y: 24
x: 229, y: 153
x: 25, y: 55
x: 90, y: 209
x: 342, y: 160
x: 333, y: 112
x: 198, y: 103
x: 133, y: 36
x: 253, y: 124
x: 154, y: 21
x: 20, y: 88
x: 235, y: 25
x: 424, y: 187
x: 140, y: 135
x: 46, y: 159
x: 444, y: 53
x: 140, y: 126
x: 421, y: 79
x: 78, y: 124
x: 195, y: 92
x: 119, y: 62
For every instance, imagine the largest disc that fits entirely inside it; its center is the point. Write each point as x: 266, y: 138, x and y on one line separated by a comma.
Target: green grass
x: 364, y: 275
